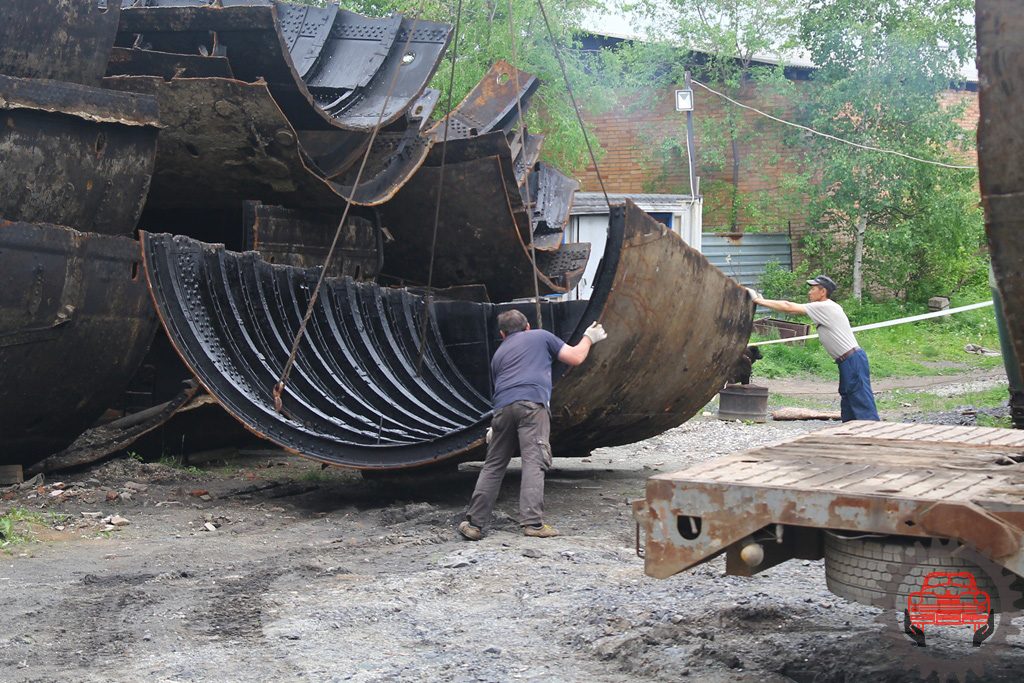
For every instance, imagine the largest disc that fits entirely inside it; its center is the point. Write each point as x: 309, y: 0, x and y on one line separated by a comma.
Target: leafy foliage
x: 884, y: 67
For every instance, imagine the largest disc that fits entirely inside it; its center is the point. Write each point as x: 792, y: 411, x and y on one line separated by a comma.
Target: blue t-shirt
x: 521, y: 367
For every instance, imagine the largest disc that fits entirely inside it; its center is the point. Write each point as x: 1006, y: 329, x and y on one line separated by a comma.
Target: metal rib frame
x: 354, y: 398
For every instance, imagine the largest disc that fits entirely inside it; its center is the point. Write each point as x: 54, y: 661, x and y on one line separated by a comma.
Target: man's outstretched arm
x: 777, y: 305
x: 574, y: 355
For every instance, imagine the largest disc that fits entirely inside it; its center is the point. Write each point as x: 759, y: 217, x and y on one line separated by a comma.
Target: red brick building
x: 640, y: 155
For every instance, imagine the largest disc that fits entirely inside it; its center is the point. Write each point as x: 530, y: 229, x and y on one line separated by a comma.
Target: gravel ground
x: 272, y: 570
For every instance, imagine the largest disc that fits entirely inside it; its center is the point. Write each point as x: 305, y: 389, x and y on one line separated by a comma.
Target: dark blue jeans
x: 855, y: 388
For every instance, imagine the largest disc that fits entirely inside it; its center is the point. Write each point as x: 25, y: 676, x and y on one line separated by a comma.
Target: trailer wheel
x: 864, y: 569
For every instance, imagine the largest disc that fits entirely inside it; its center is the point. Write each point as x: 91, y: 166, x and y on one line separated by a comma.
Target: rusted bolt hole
x: 418, y: 111
x: 909, y: 522
x: 689, y: 527
x: 503, y: 78
x: 191, y: 149
x: 135, y: 270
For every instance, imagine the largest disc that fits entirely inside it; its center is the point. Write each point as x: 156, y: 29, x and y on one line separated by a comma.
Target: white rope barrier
x: 885, y: 323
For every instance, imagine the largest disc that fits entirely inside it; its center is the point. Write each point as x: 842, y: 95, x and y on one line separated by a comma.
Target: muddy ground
x: 271, y: 569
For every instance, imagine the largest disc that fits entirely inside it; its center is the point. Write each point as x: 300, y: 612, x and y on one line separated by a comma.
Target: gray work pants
x: 524, y: 426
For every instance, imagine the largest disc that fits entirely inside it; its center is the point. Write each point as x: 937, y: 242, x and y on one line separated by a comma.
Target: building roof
x: 594, y: 204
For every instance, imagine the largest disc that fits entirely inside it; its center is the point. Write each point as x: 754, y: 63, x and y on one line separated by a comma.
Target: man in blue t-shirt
x: 521, y: 369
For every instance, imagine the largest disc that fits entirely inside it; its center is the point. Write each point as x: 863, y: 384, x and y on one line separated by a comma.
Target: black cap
x: 825, y: 281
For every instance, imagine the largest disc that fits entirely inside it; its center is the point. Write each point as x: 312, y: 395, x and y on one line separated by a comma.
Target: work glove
x: 752, y: 293
x: 490, y: 433
x: 595, y: 333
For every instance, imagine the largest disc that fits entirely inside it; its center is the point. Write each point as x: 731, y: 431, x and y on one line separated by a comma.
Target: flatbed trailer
x: 765, y: 505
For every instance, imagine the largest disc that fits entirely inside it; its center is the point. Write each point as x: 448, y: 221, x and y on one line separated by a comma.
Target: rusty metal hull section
x: 304, y: 54
x: 1000, y: 27
x: 866, y: 477
x: 74, y: 155
x: 225, y: 142
x: 60, y: 40
x: 676, y: 327
x: 75, y: 322
x: 479, y: 231
x: 354, y: 397
x: 302, y: 239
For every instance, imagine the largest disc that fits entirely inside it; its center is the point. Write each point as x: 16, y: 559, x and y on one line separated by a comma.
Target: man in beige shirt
x: 836, y: 335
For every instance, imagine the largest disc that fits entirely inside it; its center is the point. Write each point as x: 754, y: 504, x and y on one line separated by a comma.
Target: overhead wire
x: 833, y: 137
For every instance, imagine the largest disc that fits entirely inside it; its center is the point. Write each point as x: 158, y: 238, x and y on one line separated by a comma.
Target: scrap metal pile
x: 202, y: 155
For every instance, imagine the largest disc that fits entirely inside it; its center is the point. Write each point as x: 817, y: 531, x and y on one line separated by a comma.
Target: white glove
x: 490, y: 433
x: 595, y: 333
x: 752, y: 293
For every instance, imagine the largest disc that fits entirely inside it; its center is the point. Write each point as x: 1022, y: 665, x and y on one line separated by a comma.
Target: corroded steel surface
x: 293, y: 237
x: 60, y: 40
x: 480, y: 231
x: 676, y: 327
x: 75, y: 155
x: 1000, y: 26
x: 75, y: 321
x: 550, y: 193
x: 491, y: 105
x: 354, y: 397
x: 224, y: 142
x: 867, y: 477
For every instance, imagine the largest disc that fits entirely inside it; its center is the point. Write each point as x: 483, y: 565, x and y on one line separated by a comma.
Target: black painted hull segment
x: 354, y: 397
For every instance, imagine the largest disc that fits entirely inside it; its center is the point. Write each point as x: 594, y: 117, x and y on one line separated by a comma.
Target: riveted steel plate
x: 60, y: 40
x: 75, y: 322
x: 74, y: 155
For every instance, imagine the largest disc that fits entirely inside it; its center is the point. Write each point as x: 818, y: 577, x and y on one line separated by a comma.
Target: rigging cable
x: 526, y: 171
x: 575, y: 106
x: 286, y: 372
x: 440, y: 188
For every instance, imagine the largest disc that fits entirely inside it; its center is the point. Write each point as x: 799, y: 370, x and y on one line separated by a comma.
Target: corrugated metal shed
x: 744, y: 257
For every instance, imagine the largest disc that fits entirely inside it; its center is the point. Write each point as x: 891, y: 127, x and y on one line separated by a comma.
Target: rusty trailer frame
x: 912, y: 480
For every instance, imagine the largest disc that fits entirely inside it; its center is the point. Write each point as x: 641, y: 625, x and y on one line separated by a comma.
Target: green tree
x: 912, y: 228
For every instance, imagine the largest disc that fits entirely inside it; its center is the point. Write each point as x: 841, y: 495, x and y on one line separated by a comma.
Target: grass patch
x: 17, y: 525
x: 927, y: 347
x: 177, y: 463
x: 933, y: 403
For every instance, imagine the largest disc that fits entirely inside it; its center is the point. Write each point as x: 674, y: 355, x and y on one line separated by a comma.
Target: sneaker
x: 540, y: 531
x: 471, y: 532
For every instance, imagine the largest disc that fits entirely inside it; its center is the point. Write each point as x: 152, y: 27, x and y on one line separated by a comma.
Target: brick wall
x: 633, y: 136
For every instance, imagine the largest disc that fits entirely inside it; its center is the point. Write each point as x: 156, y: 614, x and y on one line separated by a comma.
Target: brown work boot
x: 540, y: 531
x: 473, y: 533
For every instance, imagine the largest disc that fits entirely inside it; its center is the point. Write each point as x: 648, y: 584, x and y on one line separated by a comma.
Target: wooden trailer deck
x: 872, y: 477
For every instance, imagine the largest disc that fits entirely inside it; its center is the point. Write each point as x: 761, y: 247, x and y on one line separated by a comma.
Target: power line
x: 832, y: 137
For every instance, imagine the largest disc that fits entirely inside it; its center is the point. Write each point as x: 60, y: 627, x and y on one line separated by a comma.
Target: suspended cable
x: 286, y: 372
x: 832, y: 137
x: 440, y: 188
x: 526, y: 171
x: 575, y: 106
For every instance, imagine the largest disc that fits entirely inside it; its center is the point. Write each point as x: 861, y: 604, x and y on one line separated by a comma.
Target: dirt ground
x: 271, y: 569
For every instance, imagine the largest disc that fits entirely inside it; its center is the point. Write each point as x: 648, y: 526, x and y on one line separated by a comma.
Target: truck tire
x: 865, y: 570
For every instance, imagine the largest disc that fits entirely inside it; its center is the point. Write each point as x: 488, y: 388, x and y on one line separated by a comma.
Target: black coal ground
x: 313, y: 576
